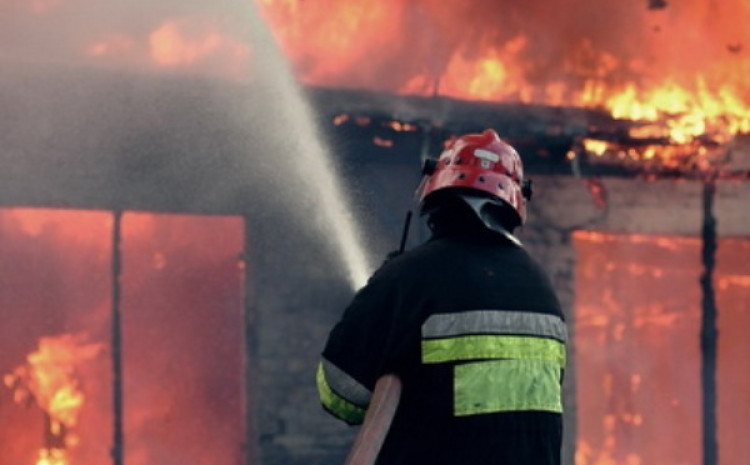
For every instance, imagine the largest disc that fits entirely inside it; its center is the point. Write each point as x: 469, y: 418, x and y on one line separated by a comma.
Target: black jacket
x: 471, y: 325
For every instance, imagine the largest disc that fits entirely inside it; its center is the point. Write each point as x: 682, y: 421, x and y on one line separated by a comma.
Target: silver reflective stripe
x: 495, y: 322
x: 344, y: 385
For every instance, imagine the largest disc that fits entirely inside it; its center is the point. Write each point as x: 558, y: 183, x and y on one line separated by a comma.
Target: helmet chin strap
x: 477, y: 205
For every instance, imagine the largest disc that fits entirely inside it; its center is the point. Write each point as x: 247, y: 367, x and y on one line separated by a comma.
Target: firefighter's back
x: 481, y: 357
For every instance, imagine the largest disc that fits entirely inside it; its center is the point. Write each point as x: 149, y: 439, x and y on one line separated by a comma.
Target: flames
x: 170, y: 47
x: 677, y: 129
x: 49, y: 380
x: 638, y: 348
x: 185, y: 44
x: 677, y: 68
x: 479, y: 50
x: 628, y: 315
x: 57, y: 397
x: 688, y: 114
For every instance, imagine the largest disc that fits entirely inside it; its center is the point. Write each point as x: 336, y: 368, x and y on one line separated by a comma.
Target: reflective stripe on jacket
x: 341, y: 394
x: 474, y: 330
x: 517, y: 359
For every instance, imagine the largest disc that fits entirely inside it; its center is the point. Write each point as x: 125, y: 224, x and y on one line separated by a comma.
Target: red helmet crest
x: 481, y: 162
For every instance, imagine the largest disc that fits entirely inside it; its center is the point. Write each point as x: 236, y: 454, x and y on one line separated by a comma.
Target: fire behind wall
x: 182, y: 319
x: 638, y: 361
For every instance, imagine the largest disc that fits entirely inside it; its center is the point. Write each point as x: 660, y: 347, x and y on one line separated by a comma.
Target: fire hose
x: 377, y: 421
x: 383, y: 404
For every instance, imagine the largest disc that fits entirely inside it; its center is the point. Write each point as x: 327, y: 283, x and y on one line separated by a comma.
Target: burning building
x: 181, y: 222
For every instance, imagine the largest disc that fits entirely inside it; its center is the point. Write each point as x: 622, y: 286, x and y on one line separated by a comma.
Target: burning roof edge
x: 97, y: 138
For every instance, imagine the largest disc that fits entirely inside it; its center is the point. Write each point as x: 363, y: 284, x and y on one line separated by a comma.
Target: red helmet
x: 480, y: 162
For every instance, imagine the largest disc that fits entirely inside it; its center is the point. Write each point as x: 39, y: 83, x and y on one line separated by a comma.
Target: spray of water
x: 308, y: 157
x: 291, y: 167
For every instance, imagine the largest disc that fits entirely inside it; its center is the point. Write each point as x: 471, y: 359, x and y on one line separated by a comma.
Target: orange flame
x: 184, y: 43
x: 680, y: 69
x: 678, y: 65
x: 49, y: 380
x: 52, y: 457
x: 169, y: 45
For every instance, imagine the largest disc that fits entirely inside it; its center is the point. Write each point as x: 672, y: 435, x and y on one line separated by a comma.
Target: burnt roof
x: 106, y: 139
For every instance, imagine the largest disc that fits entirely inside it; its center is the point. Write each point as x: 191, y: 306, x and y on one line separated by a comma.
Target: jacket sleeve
x: 355, y: 355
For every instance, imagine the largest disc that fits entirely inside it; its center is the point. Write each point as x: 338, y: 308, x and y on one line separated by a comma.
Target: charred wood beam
x: 78, y: 138
x: 709, y: 331
x: 551, y: 140
x: 357, y: 119
x: 118, y: 450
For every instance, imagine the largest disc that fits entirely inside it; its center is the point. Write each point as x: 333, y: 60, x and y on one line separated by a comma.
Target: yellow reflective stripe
x: 336, y: 404
x: 506, y: 386
x: 492, y: 347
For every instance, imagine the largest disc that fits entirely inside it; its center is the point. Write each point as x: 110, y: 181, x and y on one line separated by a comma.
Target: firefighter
x: 468, y: 321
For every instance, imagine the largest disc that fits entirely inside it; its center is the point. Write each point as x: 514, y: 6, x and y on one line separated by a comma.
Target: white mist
x: 303, y: 152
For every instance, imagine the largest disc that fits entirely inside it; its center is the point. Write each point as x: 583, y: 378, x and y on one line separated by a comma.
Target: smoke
x: 393, y: 40
x: 319, y: 197
x: 146, y: 123
x: 155, y: 106
x: 187, y: 36
x: 398, y: 44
